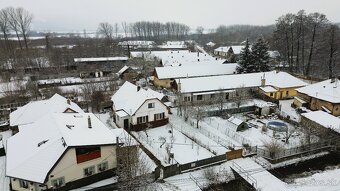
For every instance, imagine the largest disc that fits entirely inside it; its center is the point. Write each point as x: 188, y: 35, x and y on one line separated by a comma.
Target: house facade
x: 136, y: 109
x: 231, y: 87
x: 320, y: 96
x: 70, y: 151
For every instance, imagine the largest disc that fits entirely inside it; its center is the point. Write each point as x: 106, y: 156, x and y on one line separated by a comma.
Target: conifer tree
x: 245, y: 63
x: 260, y: 56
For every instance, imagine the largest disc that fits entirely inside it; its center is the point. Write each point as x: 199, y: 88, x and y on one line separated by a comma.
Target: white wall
x: 71, y: 171
x: 144, y: 110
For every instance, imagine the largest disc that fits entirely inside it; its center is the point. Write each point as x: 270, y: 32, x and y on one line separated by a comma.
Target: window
x: 89, y: 171
x: 56, y: 183
x: 227, y: 96
x: 212, y: 96
x: 151, y: 105
x: 187, y: 98
x: 159, y: 116
x: 103, y: 166
x: 143, y: 119
x: 199, y: 97
x: 87, y: 153
x: 287, y: 93
x: 23, y: 184
x: 271, y: 94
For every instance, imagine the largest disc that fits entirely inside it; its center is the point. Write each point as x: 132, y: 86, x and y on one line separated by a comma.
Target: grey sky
x: 86, y: 14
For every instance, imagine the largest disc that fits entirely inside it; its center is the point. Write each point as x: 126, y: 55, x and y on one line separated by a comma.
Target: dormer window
x: 151, y: 105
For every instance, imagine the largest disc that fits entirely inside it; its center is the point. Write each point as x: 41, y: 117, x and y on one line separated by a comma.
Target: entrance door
x: 126, y: 123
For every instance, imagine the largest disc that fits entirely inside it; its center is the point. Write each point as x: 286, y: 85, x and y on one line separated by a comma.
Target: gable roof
x: 121, y: 71
x: 226, y: 82
x: 34, y: 110
x: 32, y: 154
x: 236, y: 49
x: 127, y: 98
x: 325, y: 119
x: 195, y: 70
x: 325, y: 90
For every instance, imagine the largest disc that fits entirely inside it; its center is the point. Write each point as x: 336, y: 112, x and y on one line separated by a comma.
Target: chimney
x: 89, y: 122
x: 179, y: 86
x: 263, y: 80
x: 198, y: 54
x: 68, y: 101
x: 138, y: 88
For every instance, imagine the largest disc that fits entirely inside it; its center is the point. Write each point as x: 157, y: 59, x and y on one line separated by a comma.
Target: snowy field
x: 164, y: 140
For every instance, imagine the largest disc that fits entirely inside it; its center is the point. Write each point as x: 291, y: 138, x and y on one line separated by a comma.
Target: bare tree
x: 116, y: 29
x: 289, y: 132
x: 5, y: 27
x: 24, y: 19
x: 273, y: 147
x: 14, y: 23
x: 105, y: 30
x: 198, y: 112
x: 125, y: 27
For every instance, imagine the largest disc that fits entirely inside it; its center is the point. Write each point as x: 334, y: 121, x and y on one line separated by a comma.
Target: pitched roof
x: 236, y: 49
x: 195, y: 70
x: 325, y: 90
x: 31, y: 154
x: 324, y: 119
x: 225, y: 82
x: 34, y: 110
x: 127, y: 98
x: 121, y: 71
x: 101, y: 59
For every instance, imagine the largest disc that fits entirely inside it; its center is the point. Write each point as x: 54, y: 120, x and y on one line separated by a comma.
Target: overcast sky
x: 67, y: 15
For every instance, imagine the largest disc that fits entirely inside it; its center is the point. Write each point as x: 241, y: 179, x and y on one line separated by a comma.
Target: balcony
x: 88, y: 156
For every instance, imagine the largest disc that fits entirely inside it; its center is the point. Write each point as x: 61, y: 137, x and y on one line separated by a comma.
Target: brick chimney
x: 138, y: 88
x: 263, y: 80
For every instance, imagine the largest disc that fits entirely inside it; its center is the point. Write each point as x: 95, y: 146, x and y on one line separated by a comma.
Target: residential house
x: 165, y: 76
x: 136, y: 109
x: 127, y: 73
x: 324, y: 96
x: 321, y: 121
x: 173, y: 45
x: 199, y: 89
x: 62, y: 151
x: 136, y: 44
x: 34, y: 110
x: 229, y: 52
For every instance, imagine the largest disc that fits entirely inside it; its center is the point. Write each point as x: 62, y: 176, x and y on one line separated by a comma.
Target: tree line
x: 309, y: 43
x: 145, y: 30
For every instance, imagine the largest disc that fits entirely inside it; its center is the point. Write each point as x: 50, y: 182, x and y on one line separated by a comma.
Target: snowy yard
x: 162, y: 141
x: 106, y: 118
x: 287, y: 110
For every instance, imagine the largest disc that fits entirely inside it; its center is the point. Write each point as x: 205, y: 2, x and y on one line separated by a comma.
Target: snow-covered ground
x: 287, y: 110
x: 98, y: 184
x: 106, y: 118
x: 185, y: 150
x: 4, y: 181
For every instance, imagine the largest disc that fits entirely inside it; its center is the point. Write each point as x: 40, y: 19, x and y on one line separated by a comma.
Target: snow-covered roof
x: 235, y: 120
x: 177, y: 57
x: 173, y: 45
x: 324, y: 119
x: 325, y: 90
x: 136, y: 43
x: 32, y: 154
x: 101, y: 59
x: 225, y: 82
x: 128, y: 99
x: 195, y: 70
x: 34, y: 110
x: 211, y: 44
x: 268, y: 89
x: 236, y: 49
x: 121, y: 71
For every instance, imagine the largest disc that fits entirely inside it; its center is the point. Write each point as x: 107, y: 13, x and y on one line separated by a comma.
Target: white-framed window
x: 103, y: 166
x: 89, y: 171
x: 23, y: 184
x: 151, y: 105
x: 143, y: 119
x: 56, y: 183
x: 159, y: 116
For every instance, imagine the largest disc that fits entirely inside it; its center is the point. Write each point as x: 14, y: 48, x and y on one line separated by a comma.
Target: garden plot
x: 257, y: 134
x: 164, y: 140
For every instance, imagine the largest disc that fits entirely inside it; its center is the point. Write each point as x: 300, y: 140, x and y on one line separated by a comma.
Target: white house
x: 62, y: 150
x: 34, y: 110
x: 137, y: 109
x: 205, y: 88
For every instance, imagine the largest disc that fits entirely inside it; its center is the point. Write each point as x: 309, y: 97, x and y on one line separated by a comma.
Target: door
x: 126, y: 123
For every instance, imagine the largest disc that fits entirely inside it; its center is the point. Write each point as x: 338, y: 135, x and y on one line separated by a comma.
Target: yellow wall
x: 70, y: 170
x: 162, y: 83
x: 316, y: 104
x: 281, y: 93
